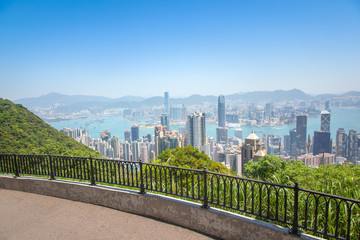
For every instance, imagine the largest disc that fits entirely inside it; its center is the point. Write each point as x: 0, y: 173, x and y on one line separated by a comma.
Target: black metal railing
x: 318, y: 213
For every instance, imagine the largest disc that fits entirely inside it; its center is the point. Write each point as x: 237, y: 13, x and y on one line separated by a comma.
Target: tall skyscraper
x: 134, y: 132
x: 221, y: 135
x: 292, y: 134
x: 166, y: 103
x: 325, y: 121
x: 327, y: 105
x: 268, y: 111
x: 165, y: 121
x: 196, y: 130
x: 321, y: 142
x: 301, y: 126
x: 221, y: 111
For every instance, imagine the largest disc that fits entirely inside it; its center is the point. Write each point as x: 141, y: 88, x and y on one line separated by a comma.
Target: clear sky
x: 143, y: 48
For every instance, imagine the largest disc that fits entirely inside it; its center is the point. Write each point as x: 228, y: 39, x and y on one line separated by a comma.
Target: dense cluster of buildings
x: 232, y: 151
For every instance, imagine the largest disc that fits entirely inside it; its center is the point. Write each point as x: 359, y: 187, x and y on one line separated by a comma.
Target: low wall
x: 212, y: 222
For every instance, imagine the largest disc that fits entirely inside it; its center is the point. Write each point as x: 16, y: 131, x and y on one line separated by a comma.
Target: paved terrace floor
x: 31, y: 216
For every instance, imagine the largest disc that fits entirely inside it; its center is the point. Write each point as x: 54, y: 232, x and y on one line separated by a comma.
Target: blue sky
x: 143, y: 48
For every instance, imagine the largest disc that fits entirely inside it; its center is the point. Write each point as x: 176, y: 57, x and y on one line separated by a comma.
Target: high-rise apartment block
x: 196, y: 130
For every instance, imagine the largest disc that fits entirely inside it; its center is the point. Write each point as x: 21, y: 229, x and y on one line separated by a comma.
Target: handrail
x: 316, y: 212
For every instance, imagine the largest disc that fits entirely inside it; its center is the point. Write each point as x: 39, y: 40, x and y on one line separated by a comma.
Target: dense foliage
x: 334, y: 179
x: 23, y: 132
x: 190, y: 157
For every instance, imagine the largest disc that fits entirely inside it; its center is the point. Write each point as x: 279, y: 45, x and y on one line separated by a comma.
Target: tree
x: 190, y: 157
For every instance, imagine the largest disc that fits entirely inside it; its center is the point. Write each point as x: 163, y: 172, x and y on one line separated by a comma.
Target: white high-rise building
x: 196, y: 129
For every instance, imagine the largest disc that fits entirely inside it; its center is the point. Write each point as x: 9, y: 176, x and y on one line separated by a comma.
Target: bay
x: 347, y: 118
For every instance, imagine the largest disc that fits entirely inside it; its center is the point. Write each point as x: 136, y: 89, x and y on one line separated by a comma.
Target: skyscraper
x: 292, y: 134
x: 325, y: 121
x: 327, y: 105
x: 221, y: 111
x: 134, y: 132
x: 321, y: 142
x: 341, y: 142
x: 126, y: 151
x: 301, y: 126
x: 165, y: 121
x: 127, y: 135
x: 166, y: 103
x: 221, y: 135
x: 353, y: 146
x: 196, y: 130
x: 238, y: 133
x: 268, y: 111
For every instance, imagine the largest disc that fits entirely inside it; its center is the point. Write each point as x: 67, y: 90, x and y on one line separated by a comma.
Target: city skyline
x: 137, y: 48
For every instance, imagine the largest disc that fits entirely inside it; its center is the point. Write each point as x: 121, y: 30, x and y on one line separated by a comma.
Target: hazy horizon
x: 161, y: 94
x: 144, y: 48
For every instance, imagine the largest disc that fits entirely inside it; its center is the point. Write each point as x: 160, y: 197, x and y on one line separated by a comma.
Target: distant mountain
x: 51, y: 99
x: 351, y: 93
x: 24, y: 133
x: 75, y: 103
x: 129, y: 99
x: 270, y: 96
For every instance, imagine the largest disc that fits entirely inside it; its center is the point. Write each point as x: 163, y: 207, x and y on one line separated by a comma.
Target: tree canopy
x: 190, y: 157
x: 23, y: 132
x: 341, y: 180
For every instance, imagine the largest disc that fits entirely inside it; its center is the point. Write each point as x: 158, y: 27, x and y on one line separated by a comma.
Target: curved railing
x: 318, y: 213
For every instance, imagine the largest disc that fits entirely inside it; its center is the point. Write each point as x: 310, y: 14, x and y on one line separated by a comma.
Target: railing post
x: 295, y: 224
x: 206, y: 203
x: 142, y: 190
x: 52, y: 177
x: 16, y: 166
x: 92, y: 178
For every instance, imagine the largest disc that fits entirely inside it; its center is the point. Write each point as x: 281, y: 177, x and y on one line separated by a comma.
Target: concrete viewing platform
x: 31, y: 216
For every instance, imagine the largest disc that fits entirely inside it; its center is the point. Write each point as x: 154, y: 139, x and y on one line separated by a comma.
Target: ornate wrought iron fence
x: 318, y: 213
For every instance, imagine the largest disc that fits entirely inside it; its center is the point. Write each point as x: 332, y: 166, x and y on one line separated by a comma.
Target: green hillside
x: 23, y: 132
